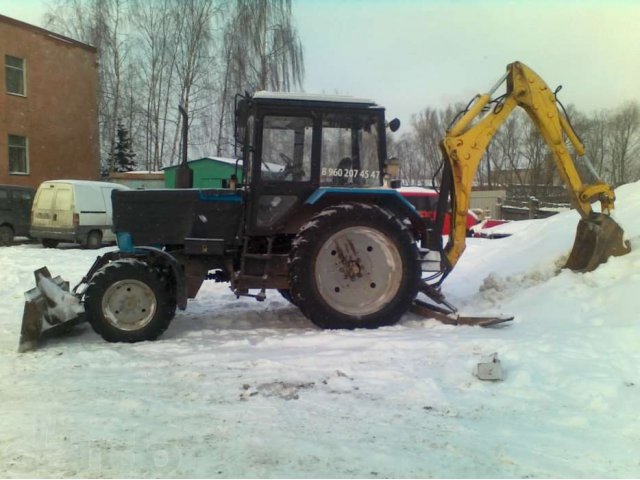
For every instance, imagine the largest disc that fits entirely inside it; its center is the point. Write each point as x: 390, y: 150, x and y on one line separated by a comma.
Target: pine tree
x: 122, y: 160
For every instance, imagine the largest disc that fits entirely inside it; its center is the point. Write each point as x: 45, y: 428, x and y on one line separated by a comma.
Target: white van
x: 77, y: 211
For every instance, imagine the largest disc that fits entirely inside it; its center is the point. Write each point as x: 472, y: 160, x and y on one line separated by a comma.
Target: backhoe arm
x: 467, y: 140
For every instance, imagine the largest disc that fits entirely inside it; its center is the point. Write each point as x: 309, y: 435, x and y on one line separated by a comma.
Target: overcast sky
x: 410, y: 54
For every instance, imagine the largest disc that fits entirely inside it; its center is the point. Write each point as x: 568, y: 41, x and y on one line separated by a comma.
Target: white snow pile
x: 237, y: 388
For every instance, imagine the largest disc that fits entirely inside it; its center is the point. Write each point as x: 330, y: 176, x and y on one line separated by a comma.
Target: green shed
x: 208, y: 172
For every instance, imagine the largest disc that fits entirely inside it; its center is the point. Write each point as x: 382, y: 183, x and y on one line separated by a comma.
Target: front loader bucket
x: 49, y: 308
x: 597, y: 238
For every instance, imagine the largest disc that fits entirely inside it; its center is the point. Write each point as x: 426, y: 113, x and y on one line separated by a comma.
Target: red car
x: 425, y: 200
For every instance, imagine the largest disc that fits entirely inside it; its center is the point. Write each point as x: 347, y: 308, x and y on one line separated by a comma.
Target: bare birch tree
x: 115, y: 53
x: 261, y: 50
x: 535, y: 153
x: 99, y: 23
x: 267, y: 53
x: 624, y: 143
x: 194, y: 24
x: 157, y: 50
x: 594, y: 133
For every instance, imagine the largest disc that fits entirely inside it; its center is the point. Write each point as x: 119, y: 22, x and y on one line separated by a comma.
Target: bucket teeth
x: 446, y: 313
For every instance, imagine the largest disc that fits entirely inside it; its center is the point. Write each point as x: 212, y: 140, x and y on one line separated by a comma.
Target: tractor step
x: 428, y: 310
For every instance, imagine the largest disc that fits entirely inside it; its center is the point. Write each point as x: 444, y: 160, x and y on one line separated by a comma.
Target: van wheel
x: 49, y: 243
x: 6, y: 235
x: 94, y: 240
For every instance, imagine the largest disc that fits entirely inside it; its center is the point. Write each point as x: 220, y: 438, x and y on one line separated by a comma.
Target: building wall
x: 489, y: 201
x: 139, y: 180
x: 207, y: 173
x: 58, y: 114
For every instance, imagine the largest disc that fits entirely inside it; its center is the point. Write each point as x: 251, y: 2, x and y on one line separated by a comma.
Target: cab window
x: 350, y: 150
x: 286, y: 148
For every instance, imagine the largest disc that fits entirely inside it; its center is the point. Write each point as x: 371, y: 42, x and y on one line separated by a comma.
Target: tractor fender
x: 141, y: 253
x: 387, y: 198
x: 176, y: 270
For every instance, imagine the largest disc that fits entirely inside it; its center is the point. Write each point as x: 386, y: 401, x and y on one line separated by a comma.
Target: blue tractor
x: 313, y: 218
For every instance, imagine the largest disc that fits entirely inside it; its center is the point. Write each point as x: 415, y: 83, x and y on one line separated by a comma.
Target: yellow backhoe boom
x: 468, y: 138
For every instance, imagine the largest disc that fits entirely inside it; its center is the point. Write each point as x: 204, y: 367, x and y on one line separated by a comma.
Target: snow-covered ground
x: 237, y: 388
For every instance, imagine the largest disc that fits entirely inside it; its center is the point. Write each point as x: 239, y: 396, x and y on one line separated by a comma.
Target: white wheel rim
x: 129, y: 304
x: 358, y: 271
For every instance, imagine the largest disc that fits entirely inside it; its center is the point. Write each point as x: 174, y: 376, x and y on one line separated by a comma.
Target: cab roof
x: 321, y: 99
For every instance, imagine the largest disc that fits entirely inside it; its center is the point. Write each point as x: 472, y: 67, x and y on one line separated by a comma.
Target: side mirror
x: 394, y: 125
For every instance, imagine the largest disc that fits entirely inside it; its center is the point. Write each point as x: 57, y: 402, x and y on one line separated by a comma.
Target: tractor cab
x: 297, y: 149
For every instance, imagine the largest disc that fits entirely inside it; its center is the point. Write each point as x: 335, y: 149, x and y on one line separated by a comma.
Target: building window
x: 14, y: 75
x: 18, y: 160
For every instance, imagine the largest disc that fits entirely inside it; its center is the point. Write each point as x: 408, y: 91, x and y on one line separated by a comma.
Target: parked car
x: 487, y: 229
x: 15, y: 212
x: 77, y: 211
x: 426, y: 202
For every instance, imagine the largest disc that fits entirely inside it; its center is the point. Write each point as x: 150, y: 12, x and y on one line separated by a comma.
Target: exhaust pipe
x: 184, y: 175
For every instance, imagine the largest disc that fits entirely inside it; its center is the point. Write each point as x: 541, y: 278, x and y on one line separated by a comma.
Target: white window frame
x: 26, y: 154
x: 23, y: 70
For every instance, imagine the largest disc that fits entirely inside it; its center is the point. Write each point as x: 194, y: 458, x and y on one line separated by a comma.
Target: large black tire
x: 286, y: 294
x: 354, y: 266
x: 6, y: 235
x: 127, y: 301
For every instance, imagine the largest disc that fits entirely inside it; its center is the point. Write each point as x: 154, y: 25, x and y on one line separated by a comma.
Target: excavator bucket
x: 49, y: 309
x: 597, y: 238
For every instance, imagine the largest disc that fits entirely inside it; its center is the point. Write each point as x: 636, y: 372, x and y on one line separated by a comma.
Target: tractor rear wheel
x: 354, y: 266
x: 286, y: 294
x: 127, y: 301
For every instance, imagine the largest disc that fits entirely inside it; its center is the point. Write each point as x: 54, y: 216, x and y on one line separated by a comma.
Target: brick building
x: 48, y: 106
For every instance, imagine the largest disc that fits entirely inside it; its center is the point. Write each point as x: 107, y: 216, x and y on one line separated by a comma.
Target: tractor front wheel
x: 354, y: 266
x: 127, y: 301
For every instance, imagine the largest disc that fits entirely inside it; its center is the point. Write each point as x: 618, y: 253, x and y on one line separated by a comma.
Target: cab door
x: 282, y: 171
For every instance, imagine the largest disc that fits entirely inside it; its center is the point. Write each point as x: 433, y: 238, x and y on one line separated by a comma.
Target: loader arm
x: 468, y: 138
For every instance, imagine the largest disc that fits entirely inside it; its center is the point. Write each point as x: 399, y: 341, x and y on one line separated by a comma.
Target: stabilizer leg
x: 447, y: 313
